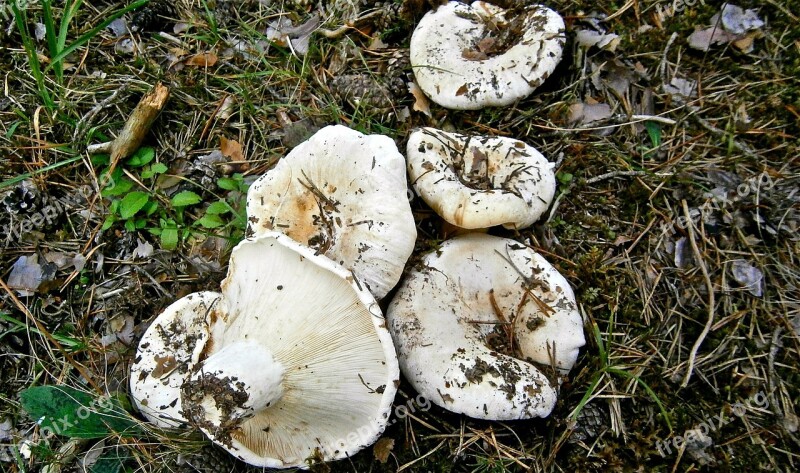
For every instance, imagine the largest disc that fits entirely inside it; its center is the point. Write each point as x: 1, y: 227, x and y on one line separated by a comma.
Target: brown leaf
x: 745, y: 43
x: 479, y: 160
x: 383, y: 447
x: 487, y: 45
x: 462, y: 90
x: 164, y: 365
x: 472, y: 55
x: 421, y: 103
x: 202, y: 60
x: 231, y: 149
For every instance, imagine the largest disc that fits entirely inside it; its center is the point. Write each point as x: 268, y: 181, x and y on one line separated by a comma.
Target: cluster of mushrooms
x: 293, y: 359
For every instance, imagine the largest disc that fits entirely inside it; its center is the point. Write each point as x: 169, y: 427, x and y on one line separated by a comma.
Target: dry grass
x: 652, y: 260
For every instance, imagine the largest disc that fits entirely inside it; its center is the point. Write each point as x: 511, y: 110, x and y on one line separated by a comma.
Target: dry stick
x: 593, y: 180
x: 710, y: 288
x: 722, y: 134
x: 613, y: 174
x: 86, y: 119
x: 137, y: 126
x: 42, y: 330
x: 350, y: 25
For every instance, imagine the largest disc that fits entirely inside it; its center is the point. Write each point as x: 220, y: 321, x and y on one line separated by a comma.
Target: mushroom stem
x: 232, y: 385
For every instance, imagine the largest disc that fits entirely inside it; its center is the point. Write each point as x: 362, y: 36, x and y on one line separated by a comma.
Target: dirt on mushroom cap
x: 342, y: 193
x: 453, y: 76
x: 444, y: 316
x: 480, y: 181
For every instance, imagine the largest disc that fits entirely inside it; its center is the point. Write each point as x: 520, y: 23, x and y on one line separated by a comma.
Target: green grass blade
x: 50, y: 167
x: 644, y: 385
x: 587, y: 396
x: 69, y: 13
x: 21, y: 20
x: 50, y: 34
x: 86, y: 37
x: 601, y: 347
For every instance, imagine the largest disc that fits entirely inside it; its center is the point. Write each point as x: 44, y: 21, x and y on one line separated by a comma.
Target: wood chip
x: 202, y: 60
x: 231, y: 149
x: 383, y: 447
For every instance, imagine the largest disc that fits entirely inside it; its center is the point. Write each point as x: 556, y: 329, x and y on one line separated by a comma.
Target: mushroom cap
x: 452, y: 319
x: 344, y: 194
x: 166, y: 356
x: 444, y: 36
x: 478, y: 182
x: 325, y: 330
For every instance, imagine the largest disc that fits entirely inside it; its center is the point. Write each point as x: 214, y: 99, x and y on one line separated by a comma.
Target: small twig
x: 98, y: 148
x: 619, y: 12
x: 722, y: 134
x: 340, y: 31
x: 309, y: 184
x: 652, y: 118
x: 592, y: 180
x: 613, y: 174
x: 710, y: 288
x: 775, y: 345
x: 86, y: 119
x: 662, y: 66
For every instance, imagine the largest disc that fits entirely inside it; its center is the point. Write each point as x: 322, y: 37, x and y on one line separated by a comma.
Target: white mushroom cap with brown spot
x: 318, y: 371
x: 344, y: 194
x: 480, y: 181
x: 444, y: 36
x: 474, y: 325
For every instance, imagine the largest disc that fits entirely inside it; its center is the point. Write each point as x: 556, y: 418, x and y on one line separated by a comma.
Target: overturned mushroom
x: 479, y: 325
x: 478, y: 181
x: 342, y: 193
x: 291, y: 361
x: 471, y: 56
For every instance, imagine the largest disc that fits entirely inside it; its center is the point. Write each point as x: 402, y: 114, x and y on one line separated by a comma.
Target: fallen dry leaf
x: 231, y: 149
x: 607, y: 42
x: 376, y: 44
x: 737, y: 20
x: 26, y: 275
x: 748, y: 276
x: 585, y: 113
x: 732, y: 25
x: 745, y: 42
x: 704, y: 38
x: 282, y: 33
x: 202, y: 60
x: 680, y: 88
x: 383, y: 447
x: 226, y: 108
x: 421, y: 103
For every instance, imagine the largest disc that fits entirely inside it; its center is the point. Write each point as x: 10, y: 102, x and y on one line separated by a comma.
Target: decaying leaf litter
x: 675, y: 217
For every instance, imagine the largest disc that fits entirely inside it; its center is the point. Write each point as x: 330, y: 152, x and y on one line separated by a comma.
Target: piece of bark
x: 139, y: 123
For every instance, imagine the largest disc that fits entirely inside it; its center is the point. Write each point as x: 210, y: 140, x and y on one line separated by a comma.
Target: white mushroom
x: 468, y: 57
x: 291, y: 361
x: 478, y: 181
x: 479, y: 325
x: 342, y: 193
x: 167, y: 353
